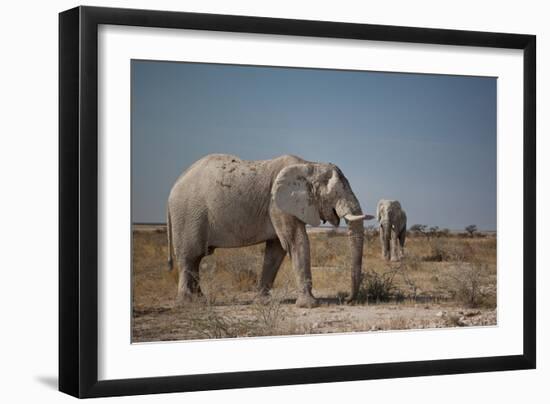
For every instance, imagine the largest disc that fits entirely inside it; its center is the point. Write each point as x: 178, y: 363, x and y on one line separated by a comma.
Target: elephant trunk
x: 356, y: 237
x: 385, y: 225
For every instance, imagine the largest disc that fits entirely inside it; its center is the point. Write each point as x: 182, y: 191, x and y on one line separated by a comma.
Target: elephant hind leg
x: 273, y: 258
x: 188, y: 283
x: 402, y: 242
x: 190, y: 246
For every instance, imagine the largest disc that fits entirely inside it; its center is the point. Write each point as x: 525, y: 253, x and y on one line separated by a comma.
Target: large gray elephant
x: 222, y: 201
x: 393, y: 225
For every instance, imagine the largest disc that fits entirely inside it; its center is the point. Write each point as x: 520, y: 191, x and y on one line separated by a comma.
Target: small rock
x: 441, y: 313
x: 473, y: 313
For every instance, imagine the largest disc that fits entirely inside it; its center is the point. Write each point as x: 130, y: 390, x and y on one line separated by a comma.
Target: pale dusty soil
x: 174, y: 324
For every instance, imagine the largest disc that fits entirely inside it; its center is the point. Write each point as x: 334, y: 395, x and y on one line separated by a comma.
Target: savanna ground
x: 445, y: 280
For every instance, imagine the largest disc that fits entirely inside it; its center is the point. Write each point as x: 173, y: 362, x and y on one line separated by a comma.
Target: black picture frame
x: 78, y: 201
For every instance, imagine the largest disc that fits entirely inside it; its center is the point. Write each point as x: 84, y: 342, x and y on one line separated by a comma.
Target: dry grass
x: 453, y: 272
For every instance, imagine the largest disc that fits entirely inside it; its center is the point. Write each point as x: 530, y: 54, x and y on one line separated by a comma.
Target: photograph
x: 271, y: 201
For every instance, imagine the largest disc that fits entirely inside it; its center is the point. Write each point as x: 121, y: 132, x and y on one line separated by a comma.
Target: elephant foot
x: 263, y: 298
x: 185, y: 298
x: 351, y: 299
x: 395, y: 259
x: 306, y: 301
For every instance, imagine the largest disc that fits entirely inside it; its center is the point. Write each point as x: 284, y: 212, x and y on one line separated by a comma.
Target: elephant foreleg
x: 273, y: 258
x: 385, y: 242
x: 301, y: 263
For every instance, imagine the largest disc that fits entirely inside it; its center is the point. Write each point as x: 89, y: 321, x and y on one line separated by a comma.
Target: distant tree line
x: 431, y: 232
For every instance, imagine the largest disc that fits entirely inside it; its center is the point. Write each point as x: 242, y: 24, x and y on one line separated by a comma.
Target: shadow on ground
x: 48, y: 381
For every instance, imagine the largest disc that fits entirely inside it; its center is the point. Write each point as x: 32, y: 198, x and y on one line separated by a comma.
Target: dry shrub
x: 207, y: 322
x: 269, y: 310
x: 269, y: 316
x: 406, y: 267
x: 264, y: 317
x: 376, y: 287
x: 469, y: 283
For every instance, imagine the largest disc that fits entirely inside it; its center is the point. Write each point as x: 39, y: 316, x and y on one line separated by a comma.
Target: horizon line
x: 323, y: 226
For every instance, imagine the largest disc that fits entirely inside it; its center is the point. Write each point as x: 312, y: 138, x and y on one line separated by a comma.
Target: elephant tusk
x: 354, y: 218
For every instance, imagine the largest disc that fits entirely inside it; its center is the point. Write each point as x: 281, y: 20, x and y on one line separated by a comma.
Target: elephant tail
x: 169, y: 236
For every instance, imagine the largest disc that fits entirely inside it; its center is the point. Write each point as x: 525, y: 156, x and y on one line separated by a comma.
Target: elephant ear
x: 293, y: 193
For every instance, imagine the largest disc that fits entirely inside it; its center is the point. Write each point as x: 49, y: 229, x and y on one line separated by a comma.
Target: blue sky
x: 426, y: 140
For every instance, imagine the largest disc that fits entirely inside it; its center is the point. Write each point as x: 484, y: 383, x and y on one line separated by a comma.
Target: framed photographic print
x: 250, y: 201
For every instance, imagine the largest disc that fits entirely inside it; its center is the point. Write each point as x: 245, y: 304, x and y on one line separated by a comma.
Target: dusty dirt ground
x: 444, y: 281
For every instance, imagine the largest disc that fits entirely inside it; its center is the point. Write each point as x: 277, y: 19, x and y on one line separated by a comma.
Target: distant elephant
x: 222, y: 201
x: 393, y: 224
